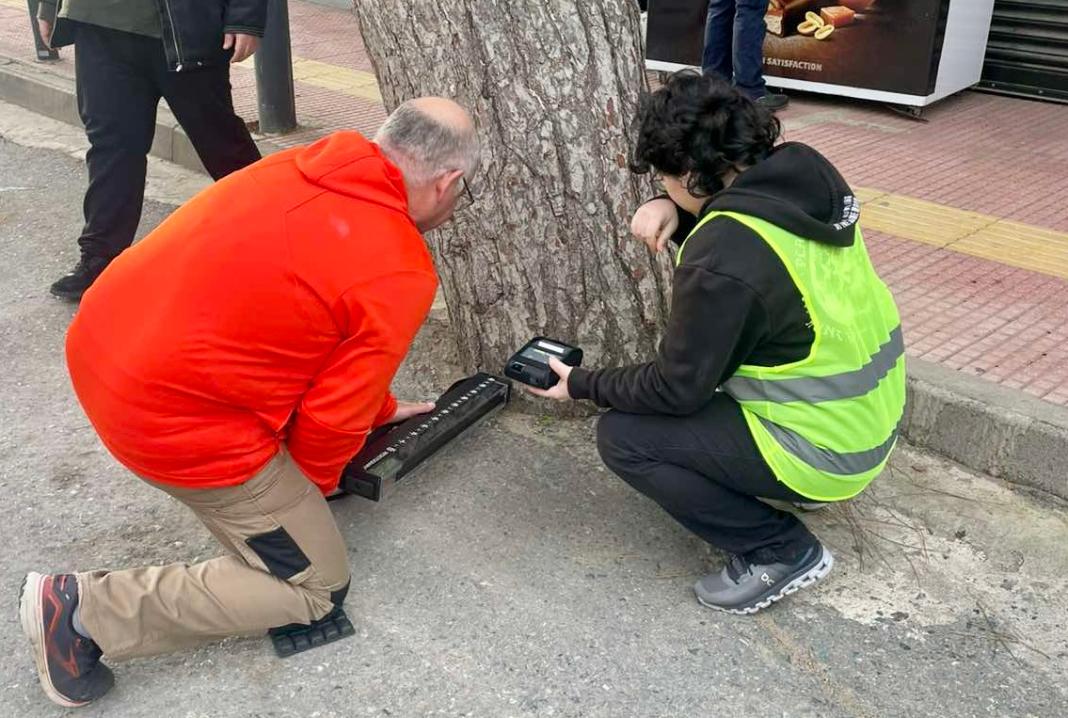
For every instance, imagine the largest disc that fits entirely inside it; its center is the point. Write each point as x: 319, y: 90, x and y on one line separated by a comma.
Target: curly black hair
x: 701, y: 125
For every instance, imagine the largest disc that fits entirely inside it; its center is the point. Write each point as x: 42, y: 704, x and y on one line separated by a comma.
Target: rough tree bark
x: 553, y: 86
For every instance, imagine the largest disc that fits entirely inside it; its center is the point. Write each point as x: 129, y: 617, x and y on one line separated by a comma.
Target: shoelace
x: 736, y: 566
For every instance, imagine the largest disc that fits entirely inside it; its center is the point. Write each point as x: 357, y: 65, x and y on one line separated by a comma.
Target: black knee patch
x: 280, y: 553
x: 338, y: 597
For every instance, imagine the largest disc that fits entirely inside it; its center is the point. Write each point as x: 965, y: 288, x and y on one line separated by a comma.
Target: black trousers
x: 705, y: 470
x: 120, y: 80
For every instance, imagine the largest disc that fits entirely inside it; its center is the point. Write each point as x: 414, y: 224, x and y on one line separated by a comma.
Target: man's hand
x: 655, y: 222
x: 242, y: 45
x: 45, y: 28
x: 559, y: 391
x: 408, y: 409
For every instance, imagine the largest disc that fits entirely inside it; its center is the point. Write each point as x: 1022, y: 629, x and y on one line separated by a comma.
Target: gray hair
x: 425, y: 148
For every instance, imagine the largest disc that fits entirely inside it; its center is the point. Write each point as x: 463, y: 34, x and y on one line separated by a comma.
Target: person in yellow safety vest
x: 781, y: 374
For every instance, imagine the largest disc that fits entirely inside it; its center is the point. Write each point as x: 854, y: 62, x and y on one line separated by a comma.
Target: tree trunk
x: 546, y: 250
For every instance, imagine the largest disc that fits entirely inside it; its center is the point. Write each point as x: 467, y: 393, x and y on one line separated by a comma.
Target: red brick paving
x: 978, y: 152
x: 1005, y: 324
x: 994, y: 155
x: 323, y: 34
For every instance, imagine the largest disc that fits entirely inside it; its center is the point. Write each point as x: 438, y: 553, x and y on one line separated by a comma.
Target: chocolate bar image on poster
x: 882, y: 45
x: 784, y: 16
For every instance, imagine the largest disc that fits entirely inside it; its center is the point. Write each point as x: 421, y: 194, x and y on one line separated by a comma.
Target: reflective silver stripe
x: 826, y: 460
x: 815, y: 389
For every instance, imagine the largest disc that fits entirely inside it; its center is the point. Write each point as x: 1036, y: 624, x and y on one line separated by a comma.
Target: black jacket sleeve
x: 716, y: 320
x: 686, y: 224
x: 686, y: 221
x: 246, y: 17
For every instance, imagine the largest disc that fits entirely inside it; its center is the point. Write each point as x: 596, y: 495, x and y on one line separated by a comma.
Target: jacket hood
x: 797, y: 189
x: 350, y: 164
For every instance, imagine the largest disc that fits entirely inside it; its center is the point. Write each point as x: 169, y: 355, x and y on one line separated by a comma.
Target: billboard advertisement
x: 889, y: 45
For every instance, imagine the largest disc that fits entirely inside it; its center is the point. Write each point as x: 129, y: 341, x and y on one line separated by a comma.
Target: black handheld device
x: 530, y: 364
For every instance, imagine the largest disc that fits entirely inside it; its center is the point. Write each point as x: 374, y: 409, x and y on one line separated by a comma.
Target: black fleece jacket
x: 191, y: 30
x: 733, y: 302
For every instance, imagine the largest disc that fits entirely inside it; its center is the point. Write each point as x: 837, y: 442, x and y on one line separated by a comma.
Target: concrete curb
x: 38, y: 88
x: 986, y: 427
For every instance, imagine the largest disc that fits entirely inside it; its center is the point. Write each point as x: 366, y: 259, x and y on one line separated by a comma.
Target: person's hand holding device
x: 544, y: 365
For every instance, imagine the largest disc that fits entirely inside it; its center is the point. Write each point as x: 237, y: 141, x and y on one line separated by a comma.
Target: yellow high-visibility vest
x: 826, y: 424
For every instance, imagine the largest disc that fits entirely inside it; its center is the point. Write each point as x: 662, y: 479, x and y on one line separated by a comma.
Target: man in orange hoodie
x: 236, y: 359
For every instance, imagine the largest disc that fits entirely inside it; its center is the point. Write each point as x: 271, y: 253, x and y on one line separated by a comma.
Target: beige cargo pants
x: 286, y: 564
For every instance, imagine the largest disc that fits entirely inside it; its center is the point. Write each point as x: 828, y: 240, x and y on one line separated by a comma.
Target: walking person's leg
x: 202, y: 101
x: 706, y: 471
x: 717, y: 57
x: 117, y: 100
x: 288, y: 565
x: 749, y: 33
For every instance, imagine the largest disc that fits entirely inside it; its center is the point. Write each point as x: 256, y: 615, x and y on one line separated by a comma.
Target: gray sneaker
x: 745, y: 586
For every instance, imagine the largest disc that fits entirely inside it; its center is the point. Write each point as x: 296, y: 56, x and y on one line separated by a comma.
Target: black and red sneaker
x: 68, y: 663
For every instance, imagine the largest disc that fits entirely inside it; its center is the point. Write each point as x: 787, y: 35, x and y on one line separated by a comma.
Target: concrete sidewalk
x: 966, y: 217
x: 514, y: 576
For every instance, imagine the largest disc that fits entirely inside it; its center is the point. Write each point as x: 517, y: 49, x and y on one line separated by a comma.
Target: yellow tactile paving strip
x: 342, y: 80
x: 916, y: 219
x: 980, y: 235
x: 1019, y: 245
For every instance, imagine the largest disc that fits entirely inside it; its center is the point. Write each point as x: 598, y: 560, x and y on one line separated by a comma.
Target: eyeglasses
x: 465, y: 200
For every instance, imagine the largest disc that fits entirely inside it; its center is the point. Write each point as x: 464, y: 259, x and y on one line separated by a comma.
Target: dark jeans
x: 120, y: 79
x: 734, y: 43
x: 705, y: 470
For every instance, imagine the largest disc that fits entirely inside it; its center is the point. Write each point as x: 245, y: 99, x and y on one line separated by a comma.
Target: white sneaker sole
x: 33, y: 627
x: 809, y: 506
x: 808, y: 578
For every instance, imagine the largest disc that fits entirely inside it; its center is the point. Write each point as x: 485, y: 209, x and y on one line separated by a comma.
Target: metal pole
x: 274, y: 73
x: 44, y: 52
